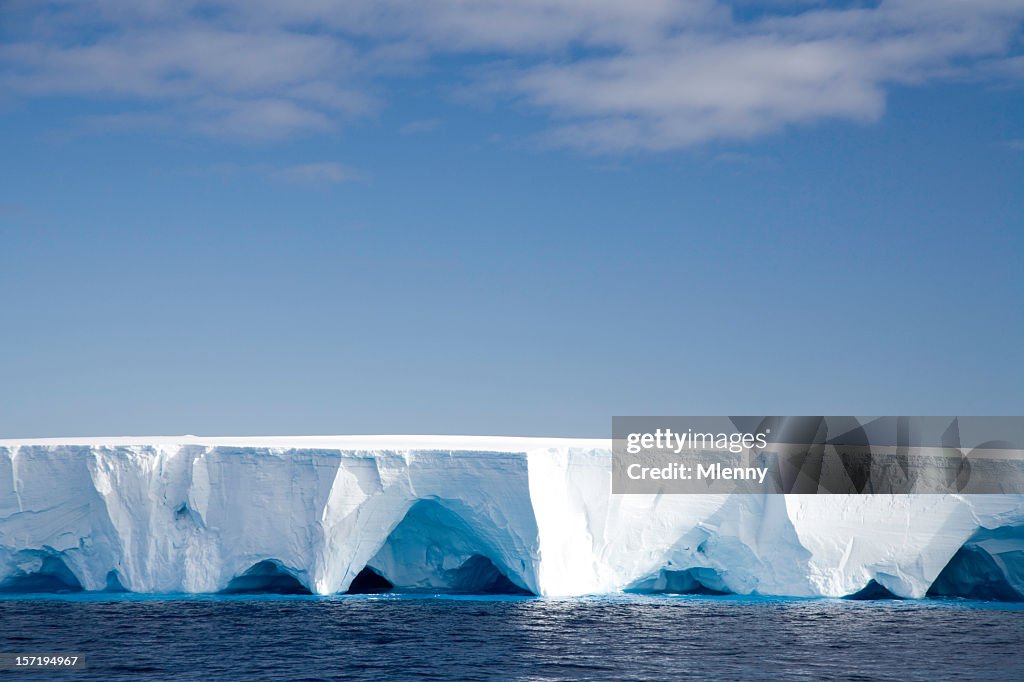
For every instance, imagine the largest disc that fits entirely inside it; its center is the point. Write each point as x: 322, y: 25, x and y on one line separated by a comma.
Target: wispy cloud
x: 310, y: 173
x: 328, y: 172
x: 611, y: 76
x: 418, y: 127
x: 214, y: 73
x: 743, y: 80
x: 743, y: 160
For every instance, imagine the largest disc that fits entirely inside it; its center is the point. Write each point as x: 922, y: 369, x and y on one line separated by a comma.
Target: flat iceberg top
x: 366, y: 442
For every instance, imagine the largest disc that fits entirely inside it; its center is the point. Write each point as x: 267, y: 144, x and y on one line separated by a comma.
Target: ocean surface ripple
x: 386, y: 637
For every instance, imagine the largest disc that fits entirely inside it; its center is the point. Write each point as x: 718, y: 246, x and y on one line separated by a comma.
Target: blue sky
x: 506, y: 218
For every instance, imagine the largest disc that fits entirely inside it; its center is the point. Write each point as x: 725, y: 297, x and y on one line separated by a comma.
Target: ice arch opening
x: 479, y: 575
x: 873, y: 591
x: 52, y: 575
x: 369, y: 581
x: 266, y: 577
x: 436, y: 549
x: 697, y: 580
x: 114, y: 583
x: 989, y: 566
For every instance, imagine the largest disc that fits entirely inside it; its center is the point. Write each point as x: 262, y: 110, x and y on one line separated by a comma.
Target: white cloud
x: 611, y: 75
x: 697, y: 91
x: 212, y: 75
x: 258, y: 118
x: 747, y: 79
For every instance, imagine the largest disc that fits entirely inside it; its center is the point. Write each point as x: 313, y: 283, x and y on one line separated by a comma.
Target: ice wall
x: 465, y: 514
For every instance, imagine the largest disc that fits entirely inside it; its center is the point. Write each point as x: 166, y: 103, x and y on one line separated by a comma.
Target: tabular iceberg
x: 464, y: 514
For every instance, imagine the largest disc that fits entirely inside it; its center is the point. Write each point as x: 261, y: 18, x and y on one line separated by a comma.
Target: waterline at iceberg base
x: 327, y: 515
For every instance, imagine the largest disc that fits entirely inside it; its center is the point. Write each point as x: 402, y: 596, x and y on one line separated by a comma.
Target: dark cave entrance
x: 266, y: 577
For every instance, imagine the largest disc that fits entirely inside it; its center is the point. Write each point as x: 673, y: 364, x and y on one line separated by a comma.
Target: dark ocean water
x: 129, y: 637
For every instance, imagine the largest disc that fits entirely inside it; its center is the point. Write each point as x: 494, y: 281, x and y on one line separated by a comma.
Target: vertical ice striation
x: 466, y: 515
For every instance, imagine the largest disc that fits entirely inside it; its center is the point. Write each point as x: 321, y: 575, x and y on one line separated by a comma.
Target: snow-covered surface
x: 367, y: 442
x: 189, y: 514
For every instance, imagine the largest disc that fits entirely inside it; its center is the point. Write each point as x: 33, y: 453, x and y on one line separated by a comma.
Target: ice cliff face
x: 463, y: 514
